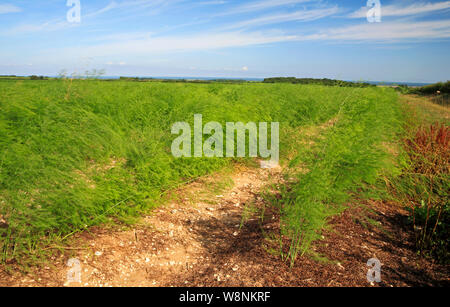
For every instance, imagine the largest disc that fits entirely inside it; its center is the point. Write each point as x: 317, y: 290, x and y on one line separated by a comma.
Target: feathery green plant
x: 74, y: 153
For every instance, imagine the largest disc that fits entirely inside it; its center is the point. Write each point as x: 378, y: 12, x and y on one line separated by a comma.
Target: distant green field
x: 75, y: 153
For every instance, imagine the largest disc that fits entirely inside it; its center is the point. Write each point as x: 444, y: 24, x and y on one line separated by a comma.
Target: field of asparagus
x: 78, y: 153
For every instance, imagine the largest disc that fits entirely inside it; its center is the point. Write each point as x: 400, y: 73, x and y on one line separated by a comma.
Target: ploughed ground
x: 211, y: 233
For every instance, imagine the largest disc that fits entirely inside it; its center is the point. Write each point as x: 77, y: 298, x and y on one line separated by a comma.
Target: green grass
x: 76, y: 153
x: 422, y: 110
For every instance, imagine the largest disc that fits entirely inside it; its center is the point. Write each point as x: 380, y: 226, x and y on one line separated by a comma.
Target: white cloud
x: 245, y: 68
x: 123, y: 36
x: 305, y: 15
x: 112, y: 5
x: 9, y: 8
x: 161, y: 45
x: 212, y: 2
x: 365, y: 32
x: 387, y: 32
x: 261, y: 5
x: 53, y: 25
x: 395, y: 10
x: 128, y: 6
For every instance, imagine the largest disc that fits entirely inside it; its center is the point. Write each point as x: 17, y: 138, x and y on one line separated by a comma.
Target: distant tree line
x: 438, y: 92
x: 324, y: 81
x: 437, y: 88
x: 34, y: 77
x: 137, y: 79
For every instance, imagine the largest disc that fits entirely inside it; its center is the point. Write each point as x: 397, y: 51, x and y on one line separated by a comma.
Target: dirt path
x: 179, y: 240
x: 197, y: 240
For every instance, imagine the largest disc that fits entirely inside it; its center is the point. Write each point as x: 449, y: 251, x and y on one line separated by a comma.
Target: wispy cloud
x: 261, y: 5
x: 161, y: 45
x: 212, y: 2
x: 413, y: 9
x: 110, y: 6
x: 53, y: 25
x: 143, y: 44
x: 383, y: 32
x: 303, y: 15
x: 387, y: 32
x: 9, y: 8
x: 129, y: 6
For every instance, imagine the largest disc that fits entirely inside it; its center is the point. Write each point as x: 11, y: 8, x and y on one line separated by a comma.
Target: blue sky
x: 229, y: 38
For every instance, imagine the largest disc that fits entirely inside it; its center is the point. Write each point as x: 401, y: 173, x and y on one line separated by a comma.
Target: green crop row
x: 75, y: 153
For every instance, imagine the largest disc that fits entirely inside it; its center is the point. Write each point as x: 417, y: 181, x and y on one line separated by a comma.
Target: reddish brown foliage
x: 429, y: 149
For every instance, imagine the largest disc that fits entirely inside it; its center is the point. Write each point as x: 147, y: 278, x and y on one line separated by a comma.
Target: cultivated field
x: 79, y: 153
